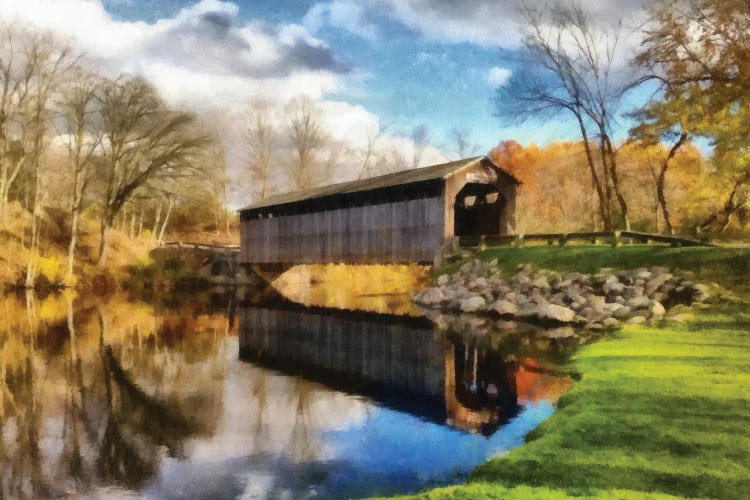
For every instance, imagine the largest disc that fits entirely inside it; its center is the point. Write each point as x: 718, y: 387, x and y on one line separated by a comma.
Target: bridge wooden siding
x: 406, y: 231
x: 395, y: 218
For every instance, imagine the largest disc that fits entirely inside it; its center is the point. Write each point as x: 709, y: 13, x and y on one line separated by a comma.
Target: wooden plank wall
x: 404, y: 231
x: 396, y: 355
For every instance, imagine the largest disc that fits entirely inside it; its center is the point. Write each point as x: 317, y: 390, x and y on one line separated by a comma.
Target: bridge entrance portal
x: 478, y: 210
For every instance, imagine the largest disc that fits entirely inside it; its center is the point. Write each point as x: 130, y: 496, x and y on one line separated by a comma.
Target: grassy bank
x: 656, y: 411
x: 729, y: 266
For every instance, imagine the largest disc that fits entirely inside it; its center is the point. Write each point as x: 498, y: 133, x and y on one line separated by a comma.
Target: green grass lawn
x: 655, y: 410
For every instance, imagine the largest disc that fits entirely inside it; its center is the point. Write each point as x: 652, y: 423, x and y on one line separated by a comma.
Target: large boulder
x: 554, y: 313
x: 638, y: 302
x: 656, y: 309
x: 430, y: 297
x: 656, y: 282
x: 621, y: 313
x: 597, y: 303
x: 504, y: 308
x: 473, y: 304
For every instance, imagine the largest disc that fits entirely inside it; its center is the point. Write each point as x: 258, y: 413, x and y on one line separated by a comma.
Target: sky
x: 371, y: 65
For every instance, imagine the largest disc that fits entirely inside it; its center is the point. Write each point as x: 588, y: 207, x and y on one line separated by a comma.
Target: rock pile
x: 603, y: 300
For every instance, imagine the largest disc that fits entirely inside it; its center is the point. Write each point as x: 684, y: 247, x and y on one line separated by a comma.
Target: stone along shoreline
x: 603, y: 300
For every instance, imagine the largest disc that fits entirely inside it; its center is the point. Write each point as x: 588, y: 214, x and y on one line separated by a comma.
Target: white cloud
x: 207, y: 59
x: 498, y: 76
x: 344, y: 14
x: 490, y: 23
x: 201, y: 58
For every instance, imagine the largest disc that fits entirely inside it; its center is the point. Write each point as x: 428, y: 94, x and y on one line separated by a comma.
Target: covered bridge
x: 400, y: 217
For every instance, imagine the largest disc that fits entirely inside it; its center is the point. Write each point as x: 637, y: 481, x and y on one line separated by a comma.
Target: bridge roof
x: 442, y: 171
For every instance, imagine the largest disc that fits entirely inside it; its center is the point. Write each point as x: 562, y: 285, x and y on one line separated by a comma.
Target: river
x: 248, y: 394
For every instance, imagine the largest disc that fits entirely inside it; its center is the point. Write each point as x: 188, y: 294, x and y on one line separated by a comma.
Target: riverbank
x: 130, y: 262
x: 662, y: 410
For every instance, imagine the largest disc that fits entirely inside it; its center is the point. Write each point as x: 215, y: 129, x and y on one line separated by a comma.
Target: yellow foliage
x: 52, y: 267
x: 53, y: 308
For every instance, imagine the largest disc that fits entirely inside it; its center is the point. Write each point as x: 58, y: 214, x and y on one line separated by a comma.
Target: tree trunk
x: 722, y: 217
x: 157, y: 219
x: 132, y: 225
x: 164, y: 225
x: 610, y: 155
x: 603, y: 212
x: 35, y: 231
x: 73, y: 241
x: 661, y: 181
x: 105, y: 233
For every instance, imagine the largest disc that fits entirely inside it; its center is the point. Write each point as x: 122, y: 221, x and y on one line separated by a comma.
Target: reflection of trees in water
x: 302, y: 446
x: 86, y: 381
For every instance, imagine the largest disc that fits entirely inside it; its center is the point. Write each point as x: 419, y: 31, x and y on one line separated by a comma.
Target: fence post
x: 482, y: 243
x: 617, y: 239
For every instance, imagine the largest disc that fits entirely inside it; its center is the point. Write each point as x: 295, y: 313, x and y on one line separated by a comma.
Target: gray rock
x: 443, y: 279
x: 643, y: 274
x: 657, y: 309
x: 560, y: 333
x: 611, y: 323
x: 596, y: 302
x: 656, y: 282
x: 611, y: 279
x: 504, y: 308
x: 638, y: 303
x: 430, y: 297
x: 541, y: 282
x: 613, y: 288
x: 552, y: 312
x: 621, y: 313
x: 473, y: 304
x: 479, y: 283
x: 611, y: 307
x: 637, y: 320
x: 522, y: 299
x: 467, y: 268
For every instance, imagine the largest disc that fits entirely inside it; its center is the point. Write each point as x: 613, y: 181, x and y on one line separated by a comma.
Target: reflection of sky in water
x: 402, y: 451
x: 379, y: 451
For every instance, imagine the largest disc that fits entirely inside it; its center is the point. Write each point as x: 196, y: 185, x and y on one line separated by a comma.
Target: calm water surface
x: 256, y: 396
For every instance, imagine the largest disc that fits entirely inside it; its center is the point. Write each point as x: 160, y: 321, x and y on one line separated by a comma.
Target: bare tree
x: 370, y: 152
x: 569, y: 69
x: 30, y: 68
x: 48, y: 62
x: 460, y: 136
x: 259, y: 135
x: 420, y: 137
x: 145, y: 142
x: 307, y: 137
x: 83, y: 141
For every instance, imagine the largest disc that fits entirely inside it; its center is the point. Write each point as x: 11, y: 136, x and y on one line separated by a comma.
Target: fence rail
x: 614, y: 238
x: 201, y: 246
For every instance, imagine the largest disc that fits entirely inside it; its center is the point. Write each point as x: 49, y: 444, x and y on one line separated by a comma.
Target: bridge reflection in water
x: 400, y: 362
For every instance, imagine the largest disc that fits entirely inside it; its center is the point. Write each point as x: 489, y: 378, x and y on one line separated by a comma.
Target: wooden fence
x: 202, y: 246
x: 614, y: 238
